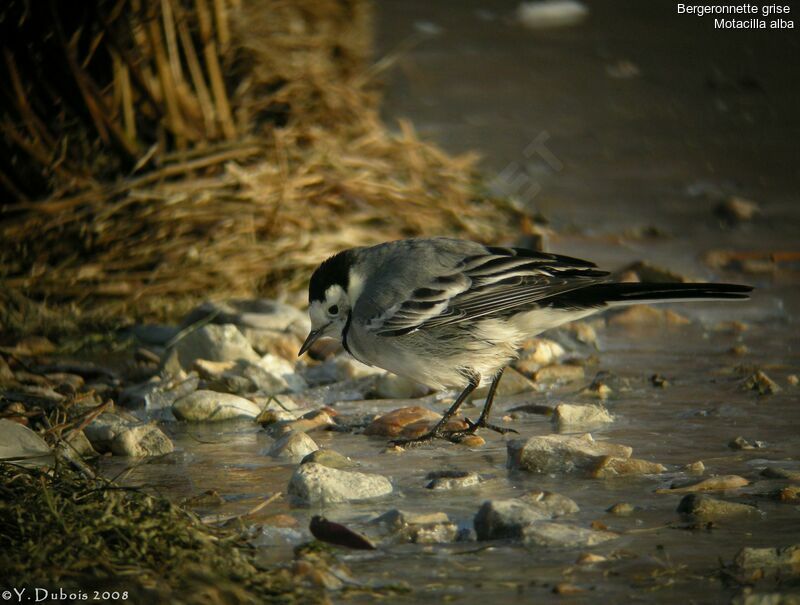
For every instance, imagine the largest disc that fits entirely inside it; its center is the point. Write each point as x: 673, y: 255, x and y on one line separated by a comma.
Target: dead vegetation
x: 159, y: 152
x: 60, y: 530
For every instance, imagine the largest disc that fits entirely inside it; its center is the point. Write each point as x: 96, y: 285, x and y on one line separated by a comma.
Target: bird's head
x: 331, y: 297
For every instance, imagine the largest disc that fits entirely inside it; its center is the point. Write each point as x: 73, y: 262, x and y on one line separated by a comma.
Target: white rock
x: 340, y: 367
x: 551, y: 13
x: 549, y: 534
x: 337, y: 369
x: 258, y: 380
x: 102, y: 431
x: 561, y: 453
x: 212, y: 342
x: 785, y: 558
x: 425, y: 528
x: 123, y: 437
x: 20, y: 443
x: 76, y: 442
x: 312, y: 421
x: 555, y: 505
x: 317, y: 484
x: 542, y: 351
x: 500, y: 519
x: 259, y: 313
x: 396, y: 519
x: 158, y: 393
x: 453, y: 479
x: 142, y: 440
x: 293, y: 446
x: 269, y: 376
x: 574, y: 415
x: 205, y: 405
x: 278, y: 366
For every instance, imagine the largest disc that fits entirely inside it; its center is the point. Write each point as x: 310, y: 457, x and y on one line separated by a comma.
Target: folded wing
x: 499, y: 282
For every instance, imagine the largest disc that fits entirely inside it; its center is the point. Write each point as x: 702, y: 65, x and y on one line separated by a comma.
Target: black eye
x: 333, y: 310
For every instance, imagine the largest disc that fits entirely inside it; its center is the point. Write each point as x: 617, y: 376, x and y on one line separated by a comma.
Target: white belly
x: 444, y: 357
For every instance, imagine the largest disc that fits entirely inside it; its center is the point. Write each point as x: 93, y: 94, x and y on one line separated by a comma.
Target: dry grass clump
x: 255, y: 151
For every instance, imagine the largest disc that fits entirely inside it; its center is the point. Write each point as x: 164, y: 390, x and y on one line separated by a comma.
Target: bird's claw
x: 481, y: 423
x: 418, y: 441
x: 452, y: 436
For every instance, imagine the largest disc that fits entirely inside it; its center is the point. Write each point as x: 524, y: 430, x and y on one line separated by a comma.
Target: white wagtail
x: 454, y: 313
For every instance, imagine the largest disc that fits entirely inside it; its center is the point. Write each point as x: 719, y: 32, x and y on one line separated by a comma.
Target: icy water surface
x: 640, y: 161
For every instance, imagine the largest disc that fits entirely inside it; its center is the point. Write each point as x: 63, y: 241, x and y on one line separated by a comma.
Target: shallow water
x: 629, y: 152
x: 692, y: 419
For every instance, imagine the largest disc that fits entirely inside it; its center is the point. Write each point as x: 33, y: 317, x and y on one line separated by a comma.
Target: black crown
x: 335, y: 270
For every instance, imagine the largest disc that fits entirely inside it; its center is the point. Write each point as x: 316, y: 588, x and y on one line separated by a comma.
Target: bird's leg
x: 437, y: 432
x: 483, y: 418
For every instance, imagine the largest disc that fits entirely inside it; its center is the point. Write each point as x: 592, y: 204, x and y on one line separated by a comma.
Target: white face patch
x: 316, y: 312
x: 334, y: 295
x: 355, y: 288
x: 330, y: 324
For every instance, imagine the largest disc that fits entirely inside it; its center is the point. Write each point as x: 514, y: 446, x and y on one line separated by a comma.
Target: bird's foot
x: 437, y: 432
x: 456, y: 436
x: 422, y: 439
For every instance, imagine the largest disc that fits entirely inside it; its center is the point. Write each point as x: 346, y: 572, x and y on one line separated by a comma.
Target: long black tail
x: 634, y: 293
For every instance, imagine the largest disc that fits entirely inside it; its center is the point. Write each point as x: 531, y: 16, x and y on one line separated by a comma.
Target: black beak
x: 310, y: 340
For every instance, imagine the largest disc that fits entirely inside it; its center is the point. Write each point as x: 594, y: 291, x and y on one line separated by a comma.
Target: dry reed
x: 253, y: 147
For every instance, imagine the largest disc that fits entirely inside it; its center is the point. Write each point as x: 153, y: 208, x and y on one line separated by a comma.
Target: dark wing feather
x: 497, y: 283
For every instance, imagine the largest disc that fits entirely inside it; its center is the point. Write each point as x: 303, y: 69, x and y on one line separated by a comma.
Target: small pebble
x: 329, y: 458
x: 563, y: 372
x: 740, y: 443
x: 793, y: 380
x: 566, y: 588
x: 293, y: 446
x: 611, y: 466
x: 790, y: 494
x: 731, y: 326
x: 553, y: 13
x: 473, y: 441
x: 762, y: 383
x: 395, y: 422
x: 621, y: 509
x: 452, y: 479
x: 737, y: 210
x: 640, y: 316
x: 720, y: 482
x: 739, y: 350
x: 572, y: 415
x: 756, y: 563
x: 561, y: 453
x: 658, y: 381
x: 540, y: 351
x: 589, y: 558
x: 695, y: 468
x: 312, y: 421
x: 708, y: 508
x: 600, y: 391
